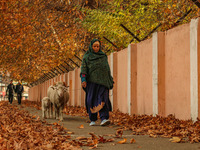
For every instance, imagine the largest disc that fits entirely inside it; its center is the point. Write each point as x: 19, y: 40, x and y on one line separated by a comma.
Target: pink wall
x: 173, y: 96
x: 76, y: 88
x: 66, y: 78
x: 70, y: 88
x: 134, y: 61
x: 115, y: 78
x: 177, y: 55
x: 161, y: 74
x: 144, y: 77
x: 122, y: 81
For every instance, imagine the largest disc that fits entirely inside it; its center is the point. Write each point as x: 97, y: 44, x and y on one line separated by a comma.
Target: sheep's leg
x: 57, y: 113
x: 47, y: 112
x: 61, y: 113
x: 54, y: 111
x: 51, y: 110
x: 43, y: 115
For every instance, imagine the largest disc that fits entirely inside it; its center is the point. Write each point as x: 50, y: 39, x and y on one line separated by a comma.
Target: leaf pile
x: 170, y: 127
x: 68, y: 110
x: 20, y: 131
x: 75, y: 111
x: 34, y: 104
x: 92, y: 141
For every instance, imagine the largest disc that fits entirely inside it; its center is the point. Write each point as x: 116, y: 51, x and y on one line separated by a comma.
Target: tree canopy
x: 36, y: 36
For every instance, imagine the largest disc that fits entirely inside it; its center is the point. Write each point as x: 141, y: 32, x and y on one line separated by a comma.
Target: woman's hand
x: 84, y: 84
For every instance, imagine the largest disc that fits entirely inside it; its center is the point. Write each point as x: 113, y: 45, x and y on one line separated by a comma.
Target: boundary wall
x: 158, y: 76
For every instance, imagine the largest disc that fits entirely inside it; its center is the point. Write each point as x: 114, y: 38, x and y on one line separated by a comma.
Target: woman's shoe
x: 105, y: 122
x: 92, y: 123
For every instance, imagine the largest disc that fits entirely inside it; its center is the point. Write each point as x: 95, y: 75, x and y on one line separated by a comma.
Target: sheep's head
x: 48, y: 103
x: 60, y: 91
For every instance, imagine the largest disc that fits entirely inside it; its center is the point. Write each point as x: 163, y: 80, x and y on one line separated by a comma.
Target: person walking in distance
x: 19, y: 91
x: 10, y: 89
x: 96, y: 81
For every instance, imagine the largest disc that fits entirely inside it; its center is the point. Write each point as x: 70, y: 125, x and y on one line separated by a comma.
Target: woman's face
x: 96, y: 46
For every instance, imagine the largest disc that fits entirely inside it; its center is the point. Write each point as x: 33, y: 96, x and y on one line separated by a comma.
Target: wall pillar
x: 155, y: 73
x: 193, y: 69
x: 198, y: 52
x: 129, y: 79
x: 111, y: 70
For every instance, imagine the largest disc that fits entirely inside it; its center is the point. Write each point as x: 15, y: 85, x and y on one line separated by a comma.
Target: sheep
x: 45, y: 107
x: 50, y: 94
x: 59, y: 96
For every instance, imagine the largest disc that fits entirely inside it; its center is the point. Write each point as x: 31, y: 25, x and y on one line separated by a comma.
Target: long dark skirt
x: 97, y: 100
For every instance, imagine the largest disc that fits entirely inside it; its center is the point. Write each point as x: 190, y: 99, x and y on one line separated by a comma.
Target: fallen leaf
x: 55, y: 123
x: 95, y: 146
x: 119, y: 133
x: 93, y: 136
x: 153, y: 135
x: 175, y: 139
x: 132, y: 140
x: 123, y: 141
x: 81, y: 126
x: 81, y: 138
x: 110, y: 140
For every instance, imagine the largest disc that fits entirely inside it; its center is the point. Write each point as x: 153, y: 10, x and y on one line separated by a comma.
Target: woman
x: 96, y: 81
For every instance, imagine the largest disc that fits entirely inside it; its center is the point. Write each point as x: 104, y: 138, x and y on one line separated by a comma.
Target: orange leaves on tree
x: 26, y: 22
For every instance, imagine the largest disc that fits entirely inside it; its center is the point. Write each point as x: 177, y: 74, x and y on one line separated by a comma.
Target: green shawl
x: 96, y: 67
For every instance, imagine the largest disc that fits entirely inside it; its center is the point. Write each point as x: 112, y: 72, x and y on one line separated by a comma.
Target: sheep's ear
x: 53, y: 88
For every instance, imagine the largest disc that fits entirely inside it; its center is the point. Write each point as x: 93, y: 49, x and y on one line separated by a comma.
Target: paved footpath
x: 142, y: 142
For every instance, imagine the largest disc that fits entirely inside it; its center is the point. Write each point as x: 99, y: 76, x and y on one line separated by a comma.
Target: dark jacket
x: 19, y: 88
x: 10, y: 89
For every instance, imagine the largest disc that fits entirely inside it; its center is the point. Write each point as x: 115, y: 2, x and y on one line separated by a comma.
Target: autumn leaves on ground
x: 21, y: 130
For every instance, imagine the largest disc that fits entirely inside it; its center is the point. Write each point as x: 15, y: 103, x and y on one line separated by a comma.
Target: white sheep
x: 46, y: 107
x: 59, y: 96
x: 50, y: 94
